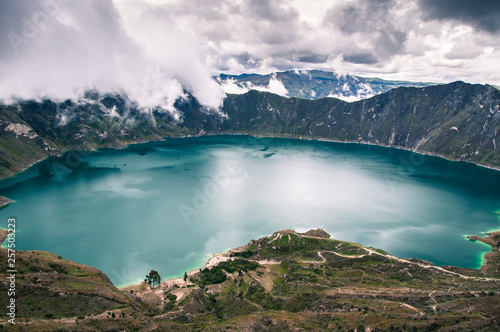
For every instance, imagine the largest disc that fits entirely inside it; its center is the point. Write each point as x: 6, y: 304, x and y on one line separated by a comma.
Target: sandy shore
x: 214, y: 260
x: 179, y: 282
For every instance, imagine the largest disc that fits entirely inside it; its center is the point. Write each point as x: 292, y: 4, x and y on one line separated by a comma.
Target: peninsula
x: 5, y: 201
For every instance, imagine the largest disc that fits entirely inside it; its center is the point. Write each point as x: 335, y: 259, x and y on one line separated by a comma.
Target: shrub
x: 213, y: 276
x: 238, y: 265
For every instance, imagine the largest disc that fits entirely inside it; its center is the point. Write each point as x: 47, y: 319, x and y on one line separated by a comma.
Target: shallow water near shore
x: 168, y: 205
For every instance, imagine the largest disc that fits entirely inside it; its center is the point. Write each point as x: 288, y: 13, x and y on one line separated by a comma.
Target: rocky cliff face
x: 458, y: 121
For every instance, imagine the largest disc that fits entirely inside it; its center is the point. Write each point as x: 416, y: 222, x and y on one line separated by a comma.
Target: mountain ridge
x: 313, y: 84
x: 458, y: 121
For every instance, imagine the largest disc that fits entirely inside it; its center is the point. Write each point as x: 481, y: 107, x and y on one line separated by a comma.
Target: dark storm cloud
x: 312, y: 57
x: 272, y: 22
x: 401, y: 38
x: 365, y: 58
x: 483, y: 14
x: 271, y: 11
x: 361, y: 15
x: 372, y: 21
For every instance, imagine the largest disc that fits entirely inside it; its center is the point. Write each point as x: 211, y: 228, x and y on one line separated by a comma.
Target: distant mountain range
x: 458, y: 121
x: 312, y: 84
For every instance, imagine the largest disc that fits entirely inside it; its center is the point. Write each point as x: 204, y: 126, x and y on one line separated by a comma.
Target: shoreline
x: 291, y: 136
x: 323, y: 139
x: 212, y: 261
x: 215, y: 259
x: 492, y: 239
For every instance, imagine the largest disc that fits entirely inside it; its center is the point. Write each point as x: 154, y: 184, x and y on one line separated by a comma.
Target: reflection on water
x: 166, y: 205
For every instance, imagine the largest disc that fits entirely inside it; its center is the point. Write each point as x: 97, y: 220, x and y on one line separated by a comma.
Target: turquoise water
x: 168, y: 205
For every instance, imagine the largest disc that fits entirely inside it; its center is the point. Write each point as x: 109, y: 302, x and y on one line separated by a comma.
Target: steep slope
x: 458, y: 121
x: 31, y: 131
x: 47, y: 286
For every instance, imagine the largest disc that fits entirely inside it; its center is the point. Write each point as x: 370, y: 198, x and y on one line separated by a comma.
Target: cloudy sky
x: 155, y: 48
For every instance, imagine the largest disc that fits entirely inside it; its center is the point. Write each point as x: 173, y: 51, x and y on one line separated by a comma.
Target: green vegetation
x: 49, y: 287
x: 215, y: 275
x: 232, y: 266
x: 244, y: 254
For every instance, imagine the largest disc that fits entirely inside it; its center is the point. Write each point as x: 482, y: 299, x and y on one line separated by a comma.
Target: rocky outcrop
x: 21, y: 129
x: 317, y: 233
x: 5, y: 201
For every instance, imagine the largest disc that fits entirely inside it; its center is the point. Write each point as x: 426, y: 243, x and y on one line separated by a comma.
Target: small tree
x: 153, y: 279
x: 185, y: 276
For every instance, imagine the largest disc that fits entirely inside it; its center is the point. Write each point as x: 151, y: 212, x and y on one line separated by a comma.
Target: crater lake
x: 168, y: 205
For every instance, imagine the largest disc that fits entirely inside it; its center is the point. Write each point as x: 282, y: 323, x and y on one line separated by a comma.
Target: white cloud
x: 153, y: 49
x: 92, y: 44
x: 274, y: 86
x: 363, y: 91
x: 392, y: 39
x: 232, y: 87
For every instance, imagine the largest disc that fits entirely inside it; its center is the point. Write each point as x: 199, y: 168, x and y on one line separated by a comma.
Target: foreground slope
x: 286, y: 282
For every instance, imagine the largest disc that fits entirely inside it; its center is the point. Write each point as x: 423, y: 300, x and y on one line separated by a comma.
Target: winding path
x: 422, y: 265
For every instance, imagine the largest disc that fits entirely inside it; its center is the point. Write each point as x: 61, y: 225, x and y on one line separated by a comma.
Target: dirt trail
x: 412, y: 308
x: 434, y: 307
x: 427, y: 266
x: 422, y: 265
x: 323, y: 259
